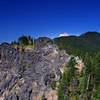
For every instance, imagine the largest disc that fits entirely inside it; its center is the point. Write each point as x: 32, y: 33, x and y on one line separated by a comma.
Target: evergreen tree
x: 25, y: 40
x: 66, y: 80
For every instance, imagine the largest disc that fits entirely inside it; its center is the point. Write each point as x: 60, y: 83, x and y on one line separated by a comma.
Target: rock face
x: 27, y: 75
x: 42, y: 41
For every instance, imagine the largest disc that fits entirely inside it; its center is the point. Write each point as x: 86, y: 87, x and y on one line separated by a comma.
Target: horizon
x: 60, y: 35
x: 50, y: 18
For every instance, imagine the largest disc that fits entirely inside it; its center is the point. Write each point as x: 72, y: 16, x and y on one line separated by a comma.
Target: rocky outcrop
x: 27, y: 75
x: 42, y: 41
x: 80, y: 65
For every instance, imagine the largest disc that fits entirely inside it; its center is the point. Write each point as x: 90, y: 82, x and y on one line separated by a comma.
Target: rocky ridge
x: 27, y: 75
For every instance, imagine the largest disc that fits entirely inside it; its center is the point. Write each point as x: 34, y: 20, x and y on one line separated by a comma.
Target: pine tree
x: 64, y: 90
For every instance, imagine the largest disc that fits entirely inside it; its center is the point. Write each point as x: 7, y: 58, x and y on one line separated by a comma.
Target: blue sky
x: 47, y: 17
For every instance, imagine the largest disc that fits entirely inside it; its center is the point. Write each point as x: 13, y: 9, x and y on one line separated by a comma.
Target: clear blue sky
x: 47, y: 17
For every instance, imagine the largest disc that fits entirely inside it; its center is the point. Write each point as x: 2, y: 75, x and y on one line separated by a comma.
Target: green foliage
x: 87, y: 42
x: 62, y: 89
x: 97, y: 69
x: 53, y: 84
x: 65, y: 82
x: 89, y: 81
x: 97, y: 94
x: 25, y: 40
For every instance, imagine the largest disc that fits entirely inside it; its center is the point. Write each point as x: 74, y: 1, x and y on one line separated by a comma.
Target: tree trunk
x: 88, y: 81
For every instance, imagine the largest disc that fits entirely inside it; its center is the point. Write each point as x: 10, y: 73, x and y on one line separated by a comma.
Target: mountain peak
x: 90, y: 34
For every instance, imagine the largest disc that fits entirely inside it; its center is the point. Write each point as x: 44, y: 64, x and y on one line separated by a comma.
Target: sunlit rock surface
x: 27, y: 75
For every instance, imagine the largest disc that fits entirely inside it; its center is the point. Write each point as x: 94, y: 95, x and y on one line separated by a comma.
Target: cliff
x: 27, y: 74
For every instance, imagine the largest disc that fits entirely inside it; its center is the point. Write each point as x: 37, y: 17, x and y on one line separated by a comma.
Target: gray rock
x: 25, y: 75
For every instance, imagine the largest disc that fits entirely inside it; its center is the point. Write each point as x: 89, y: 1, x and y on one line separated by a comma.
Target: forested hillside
x: 86, y: 85
x: 88, y: 42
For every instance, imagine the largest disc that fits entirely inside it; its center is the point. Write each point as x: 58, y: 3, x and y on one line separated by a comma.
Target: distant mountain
x: 87, y: 42
x: 90, y: 35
